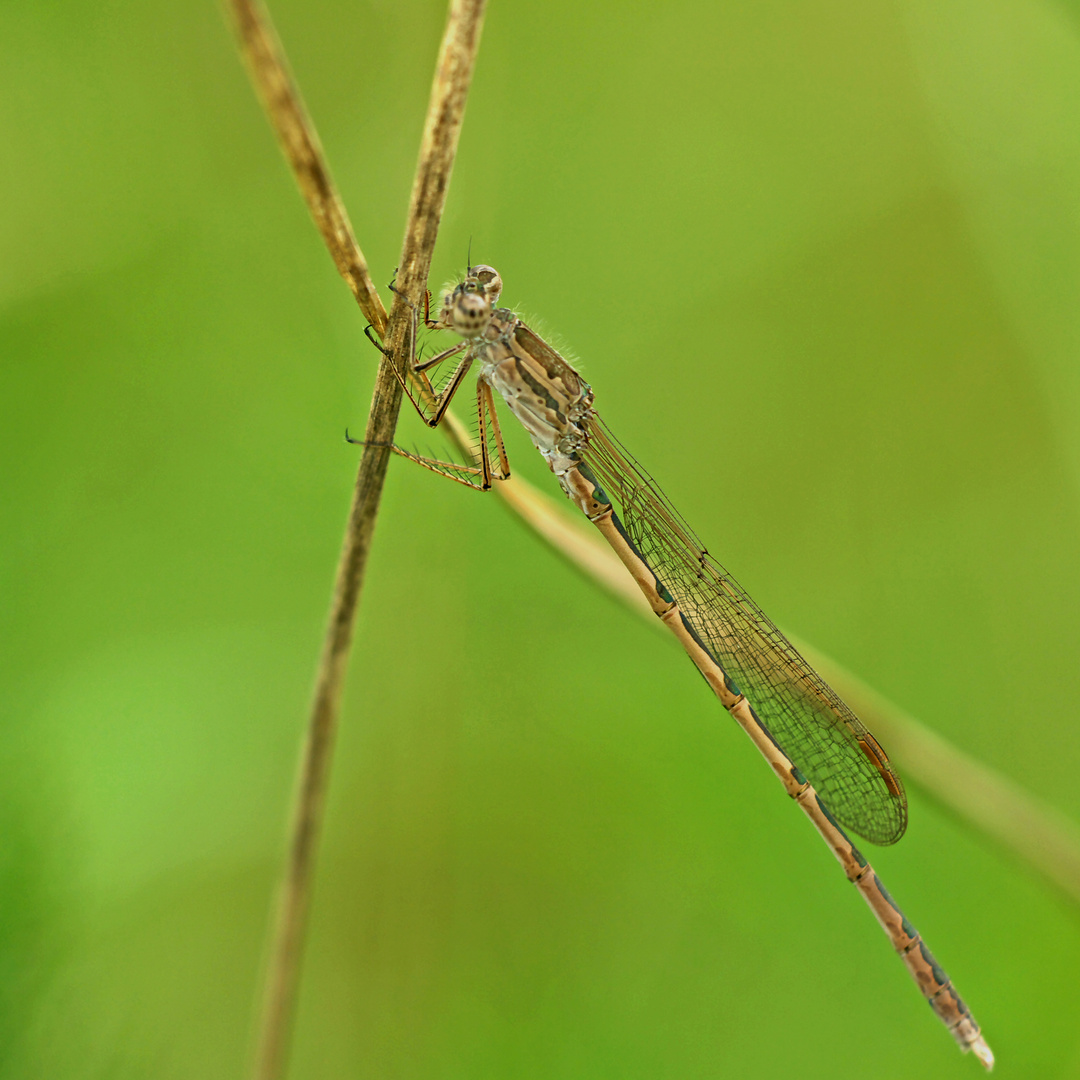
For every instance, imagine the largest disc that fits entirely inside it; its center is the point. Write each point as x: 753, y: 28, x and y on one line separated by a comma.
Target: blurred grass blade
x: 993, y: 804
x: 1037, y: 835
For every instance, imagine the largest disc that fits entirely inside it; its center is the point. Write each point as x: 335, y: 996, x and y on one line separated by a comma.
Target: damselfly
x: 826, y: 759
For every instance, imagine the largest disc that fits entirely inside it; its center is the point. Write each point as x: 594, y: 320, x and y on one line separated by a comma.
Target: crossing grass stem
x: 269, y: 71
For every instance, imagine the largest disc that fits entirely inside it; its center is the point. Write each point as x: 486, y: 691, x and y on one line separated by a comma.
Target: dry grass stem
x: 301, y: 145
x: 269, y: 72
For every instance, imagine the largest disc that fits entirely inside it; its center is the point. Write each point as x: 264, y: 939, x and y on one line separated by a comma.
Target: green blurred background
x: 820, y: 262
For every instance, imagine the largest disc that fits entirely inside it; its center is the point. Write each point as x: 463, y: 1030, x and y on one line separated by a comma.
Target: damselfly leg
x: 430, y: 403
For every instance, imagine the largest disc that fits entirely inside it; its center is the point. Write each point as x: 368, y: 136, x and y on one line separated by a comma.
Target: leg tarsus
x: 363, y: 442
x: 397, y: 292
x: 375, y: 341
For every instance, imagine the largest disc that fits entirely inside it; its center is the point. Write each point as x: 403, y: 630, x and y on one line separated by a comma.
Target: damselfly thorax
x: 548, y: 397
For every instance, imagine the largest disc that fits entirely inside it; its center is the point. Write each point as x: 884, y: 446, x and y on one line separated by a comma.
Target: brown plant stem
x: 269, y: 70
x: 300, y: 143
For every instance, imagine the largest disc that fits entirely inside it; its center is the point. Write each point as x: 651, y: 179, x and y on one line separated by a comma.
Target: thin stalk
x: 269, y: 71
x: 300, y: 143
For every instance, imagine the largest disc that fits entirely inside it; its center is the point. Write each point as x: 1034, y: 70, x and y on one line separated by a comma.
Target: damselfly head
x: 467, y: 309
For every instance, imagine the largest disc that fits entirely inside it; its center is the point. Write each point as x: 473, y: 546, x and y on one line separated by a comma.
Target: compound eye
x: 488, y: 278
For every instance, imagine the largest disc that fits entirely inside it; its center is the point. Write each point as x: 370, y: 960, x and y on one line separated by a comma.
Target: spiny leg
x: 477, y: 477
x: 410, y: 381
x: 486, y: 409
x: 431, y: 405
